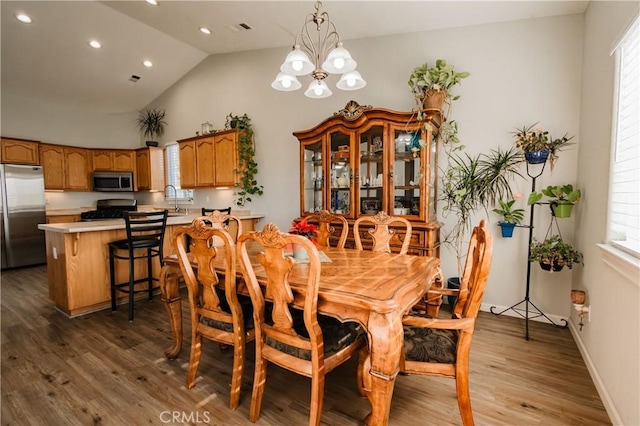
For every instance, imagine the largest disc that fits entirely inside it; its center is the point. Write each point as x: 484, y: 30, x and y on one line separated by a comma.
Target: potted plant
x: 430, y: 85
x: 510, y: 217
x: 308, y: 230
x: 553, y: 254
x: 247, y: 184
x: 473, y: 183
x: 151, y: 123
x: 235, y: 121
x: 561, y: 198
x: 538, y: 145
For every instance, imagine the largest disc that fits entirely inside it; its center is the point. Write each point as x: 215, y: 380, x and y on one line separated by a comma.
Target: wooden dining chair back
x: 441, y: 347
x: 225, y: 220
x: 301, y: 341
x: 381, y: 233
x: 216, y: 311
x: 326, y: 228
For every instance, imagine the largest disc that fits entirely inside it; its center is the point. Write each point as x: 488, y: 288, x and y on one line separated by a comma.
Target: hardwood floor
x: 100, y: 369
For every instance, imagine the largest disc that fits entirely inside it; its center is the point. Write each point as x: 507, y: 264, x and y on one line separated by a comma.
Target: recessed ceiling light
x: 205, y: 30
x: 24, y: 18
x: 95, y: 44
x: 147, y: 64
x: 153, y: 2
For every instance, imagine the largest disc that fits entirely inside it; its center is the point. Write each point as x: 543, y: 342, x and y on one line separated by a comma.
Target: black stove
x: 110, y: 209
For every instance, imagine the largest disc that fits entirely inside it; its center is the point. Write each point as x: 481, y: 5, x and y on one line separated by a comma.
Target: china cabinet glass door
x: 409, y: 184
x: 341, y: 177
x: 371, y: 173
x: 312, y: 177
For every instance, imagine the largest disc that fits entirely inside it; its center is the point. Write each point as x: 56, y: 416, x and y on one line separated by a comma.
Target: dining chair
x: 301, y: 341
x: 145, y: 239
x: 326, y: 228
x: 222, y: 219
x: 381, y: 233
x: 216, y: 310
x: 440, y: 347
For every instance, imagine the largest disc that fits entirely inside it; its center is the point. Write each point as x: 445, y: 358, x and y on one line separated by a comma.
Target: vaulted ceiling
x: 50, y: 60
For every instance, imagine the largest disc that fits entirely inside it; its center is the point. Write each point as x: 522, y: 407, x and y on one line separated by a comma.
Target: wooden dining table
x: 372, y: 288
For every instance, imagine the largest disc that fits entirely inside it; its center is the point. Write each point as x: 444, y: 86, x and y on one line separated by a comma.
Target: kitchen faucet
x: 175, y: 198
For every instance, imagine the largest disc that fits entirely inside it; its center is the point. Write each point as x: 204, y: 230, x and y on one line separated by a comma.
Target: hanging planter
x: 561, y: 208
x: 551, y: 265
x: 507, y: 229
x: 536, y: 157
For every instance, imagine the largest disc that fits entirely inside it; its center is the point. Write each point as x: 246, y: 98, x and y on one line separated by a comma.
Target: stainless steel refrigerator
x: 22, y: 208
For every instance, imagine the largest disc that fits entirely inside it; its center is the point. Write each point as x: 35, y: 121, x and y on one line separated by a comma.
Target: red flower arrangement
x: 303, y: 228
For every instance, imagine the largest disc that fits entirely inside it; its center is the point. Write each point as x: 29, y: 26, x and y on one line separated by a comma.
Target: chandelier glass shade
x: 318, y: 56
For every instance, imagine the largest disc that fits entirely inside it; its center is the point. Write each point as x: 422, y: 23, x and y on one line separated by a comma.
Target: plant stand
x: 526, y: 306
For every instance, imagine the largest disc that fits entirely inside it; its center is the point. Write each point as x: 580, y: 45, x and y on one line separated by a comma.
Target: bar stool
x: 145, y: 237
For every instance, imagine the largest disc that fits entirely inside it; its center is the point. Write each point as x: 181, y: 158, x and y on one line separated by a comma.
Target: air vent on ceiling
x: 134, y: 78
x: 240, y: 27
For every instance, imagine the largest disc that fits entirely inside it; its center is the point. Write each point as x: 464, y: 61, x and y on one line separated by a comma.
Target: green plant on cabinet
x: 247, y: 185
x: 151, y: 123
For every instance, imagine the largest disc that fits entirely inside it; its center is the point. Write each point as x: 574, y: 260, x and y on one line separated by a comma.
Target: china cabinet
x: 363, y: 160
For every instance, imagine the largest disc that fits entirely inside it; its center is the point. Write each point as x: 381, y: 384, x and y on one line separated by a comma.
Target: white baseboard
x: 602, y: 391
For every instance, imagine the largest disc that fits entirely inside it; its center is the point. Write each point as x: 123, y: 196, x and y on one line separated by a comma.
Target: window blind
x: 172, y: 155
x: 624, y: 196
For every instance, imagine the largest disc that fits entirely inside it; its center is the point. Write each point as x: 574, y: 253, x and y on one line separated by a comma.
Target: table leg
x: 385, y: 346
x: 170, y: 287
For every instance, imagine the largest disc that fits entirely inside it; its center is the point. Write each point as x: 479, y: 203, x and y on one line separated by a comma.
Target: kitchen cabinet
x: 364, y: 160
x: 18, y: 151
x: 113, y: 160
x: 210, y: 160
x: 65, y: 167
x: 150, y: 169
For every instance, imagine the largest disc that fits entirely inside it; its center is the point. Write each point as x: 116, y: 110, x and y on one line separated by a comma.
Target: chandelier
x: 327, y: 57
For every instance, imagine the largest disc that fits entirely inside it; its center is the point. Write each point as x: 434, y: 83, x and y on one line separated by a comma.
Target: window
x: 173, y: 175
x: 624, y: 191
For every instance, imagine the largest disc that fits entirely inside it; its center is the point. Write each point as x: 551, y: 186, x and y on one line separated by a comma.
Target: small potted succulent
x: 510, y: 217
x: 538, y: 145
x: 561, y: 198
x: 553, y: 254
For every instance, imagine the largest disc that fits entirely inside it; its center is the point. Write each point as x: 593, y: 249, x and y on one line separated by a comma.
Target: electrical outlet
x: 207, y: 199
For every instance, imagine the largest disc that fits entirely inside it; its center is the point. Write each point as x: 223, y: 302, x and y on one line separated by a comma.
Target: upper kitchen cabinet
x: 18, y: 151
x: 209, y: 161
x: 364, y: 160
x: 150, y: 169
x: 66, y: 167
x: 113, y: 160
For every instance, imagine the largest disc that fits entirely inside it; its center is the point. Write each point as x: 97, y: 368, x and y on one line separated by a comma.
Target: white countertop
x: 109, y: 225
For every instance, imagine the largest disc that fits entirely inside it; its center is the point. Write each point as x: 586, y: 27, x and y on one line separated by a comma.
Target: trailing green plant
x: 247, y: 184
x: 554, y: 251
x: 557, y: 194
x: 532, y: 139
x: 151, y: 123
x: 236, y: 121
x: 440, y: 77
x: 508, y: 213
x: 473, y: 183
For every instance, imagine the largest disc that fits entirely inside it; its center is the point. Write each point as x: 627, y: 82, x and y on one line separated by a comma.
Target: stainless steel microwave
x: 112, y: 181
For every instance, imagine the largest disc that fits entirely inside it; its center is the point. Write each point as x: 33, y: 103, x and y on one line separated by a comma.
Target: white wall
x: 521, y: 72
x: 611, y: 340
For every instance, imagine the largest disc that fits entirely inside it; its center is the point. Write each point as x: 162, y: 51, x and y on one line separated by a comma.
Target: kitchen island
x: 78, y: 260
